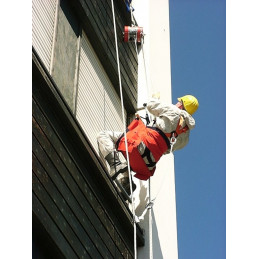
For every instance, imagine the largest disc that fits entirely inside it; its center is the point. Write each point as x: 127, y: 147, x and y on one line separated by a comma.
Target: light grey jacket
x: 167, y: 118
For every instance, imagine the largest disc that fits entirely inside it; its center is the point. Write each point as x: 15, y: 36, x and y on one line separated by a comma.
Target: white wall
x: 153, y: 16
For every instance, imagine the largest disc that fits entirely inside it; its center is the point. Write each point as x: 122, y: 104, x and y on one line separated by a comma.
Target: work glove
x: 156, y: 95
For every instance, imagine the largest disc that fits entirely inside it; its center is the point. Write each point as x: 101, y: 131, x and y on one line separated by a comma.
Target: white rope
x: 150, y: 223
x: 131, y: 16
x: 151, y: 203
x: 145, y: 69
x: 125, y: 136
x: 148, y: 206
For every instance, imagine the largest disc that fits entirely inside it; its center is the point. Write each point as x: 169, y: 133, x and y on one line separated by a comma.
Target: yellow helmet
x: 190, y: 103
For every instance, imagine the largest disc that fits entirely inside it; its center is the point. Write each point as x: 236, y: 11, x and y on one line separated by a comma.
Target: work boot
x: 124, y: 181
x: 116, y: 166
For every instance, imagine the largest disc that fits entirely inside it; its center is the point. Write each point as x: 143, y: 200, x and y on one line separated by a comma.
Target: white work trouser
x: 107, y: 140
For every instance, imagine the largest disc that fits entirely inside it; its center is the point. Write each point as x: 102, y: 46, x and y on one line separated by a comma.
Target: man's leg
x: 106, y: 142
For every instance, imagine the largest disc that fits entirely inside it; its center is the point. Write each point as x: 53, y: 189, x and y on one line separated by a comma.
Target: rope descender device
x: 133, y: 33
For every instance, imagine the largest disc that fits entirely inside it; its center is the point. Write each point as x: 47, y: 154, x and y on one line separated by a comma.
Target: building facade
x: 77, y: 210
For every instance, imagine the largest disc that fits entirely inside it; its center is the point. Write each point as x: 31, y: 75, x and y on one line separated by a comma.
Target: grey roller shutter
x: 98, y: 104
x: 43, y: 25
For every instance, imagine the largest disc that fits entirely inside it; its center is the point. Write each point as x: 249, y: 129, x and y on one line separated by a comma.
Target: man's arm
x: 156, y: 108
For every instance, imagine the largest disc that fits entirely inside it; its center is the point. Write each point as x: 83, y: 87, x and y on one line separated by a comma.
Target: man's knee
x: 100, y: 135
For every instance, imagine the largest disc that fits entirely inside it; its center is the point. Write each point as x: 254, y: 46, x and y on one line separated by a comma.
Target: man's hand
x: 182, y: 122
x: 156, y: 95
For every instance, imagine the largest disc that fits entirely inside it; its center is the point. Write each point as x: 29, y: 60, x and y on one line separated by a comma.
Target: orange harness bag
x: 145, y: 147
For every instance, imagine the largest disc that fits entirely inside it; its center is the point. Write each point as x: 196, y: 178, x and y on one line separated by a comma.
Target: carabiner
x: 172, y: 142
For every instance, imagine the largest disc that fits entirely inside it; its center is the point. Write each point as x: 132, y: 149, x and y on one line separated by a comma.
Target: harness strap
x: 119, y: 139
x: 178, y: 131
x: 162, y: 134
x: 147, y: 156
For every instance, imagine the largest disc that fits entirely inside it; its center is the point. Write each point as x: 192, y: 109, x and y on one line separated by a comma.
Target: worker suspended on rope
x: 146, y: 144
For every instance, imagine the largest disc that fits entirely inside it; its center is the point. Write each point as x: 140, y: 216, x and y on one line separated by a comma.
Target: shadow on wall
x: 143, y: 198
x: 157, y: 251
x: 144, y: 251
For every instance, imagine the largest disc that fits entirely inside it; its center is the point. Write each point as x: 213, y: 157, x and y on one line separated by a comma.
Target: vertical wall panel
x: 98, y: 105
x: 43, y: 23
x: 64, y: 69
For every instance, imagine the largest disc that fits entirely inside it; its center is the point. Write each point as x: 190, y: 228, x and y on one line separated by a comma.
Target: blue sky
x: 198, y: 64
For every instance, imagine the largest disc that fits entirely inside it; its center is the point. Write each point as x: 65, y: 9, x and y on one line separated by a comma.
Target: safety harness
x: 173, y: 135
x: 146, y: 145
x: 177, y: 132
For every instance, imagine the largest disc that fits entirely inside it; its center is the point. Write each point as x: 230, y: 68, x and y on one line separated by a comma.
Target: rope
x: 151, y: 202
x: 150, y: 223
x: 145, y: 69
x: 148, y: 206
x: 131, y: 16
x: 125, y: 135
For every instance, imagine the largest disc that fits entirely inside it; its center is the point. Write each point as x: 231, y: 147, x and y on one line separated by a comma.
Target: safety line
x: 131, y: 16
x: 125, y: 135
x: 145, y: 69
x: 150, y: 220
x: 150, y: 223
x: 149, y: 206
x: 150, y: 203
